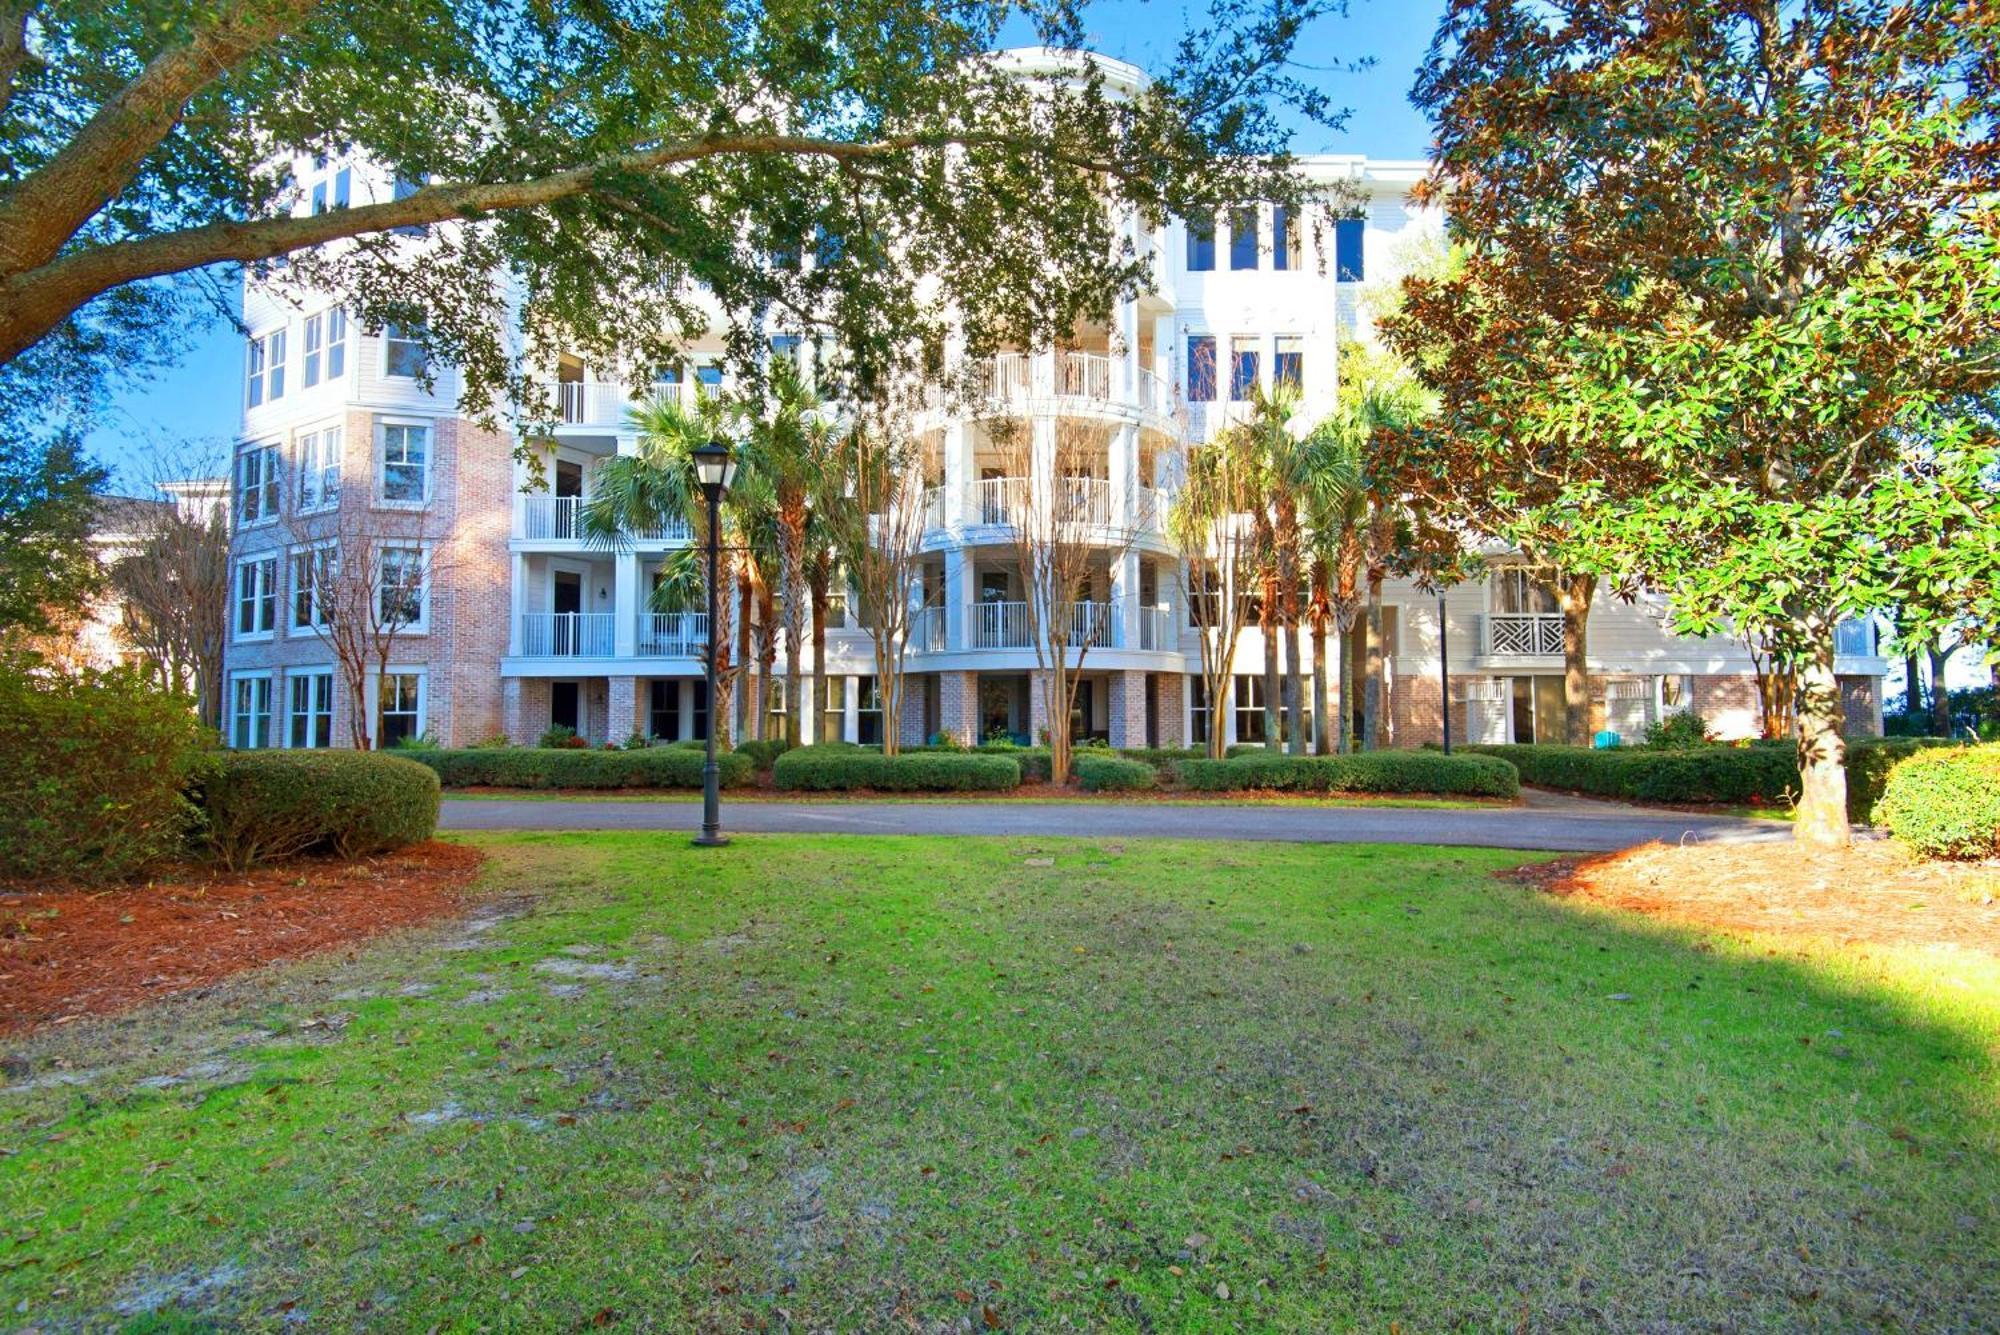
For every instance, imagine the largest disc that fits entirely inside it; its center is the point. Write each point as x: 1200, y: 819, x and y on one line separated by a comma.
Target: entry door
x: 569, y: 496
x: 1524, y: 709
x: 565, y: 710
x: 566, y: 598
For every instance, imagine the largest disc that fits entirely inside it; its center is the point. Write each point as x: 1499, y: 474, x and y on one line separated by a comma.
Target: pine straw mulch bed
x: 1874, y: 893
x: 70, y: 953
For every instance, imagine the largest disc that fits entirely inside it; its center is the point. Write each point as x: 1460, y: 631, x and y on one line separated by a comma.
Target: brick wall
x: 1038, y: 706
x: 917, y: 687
x: 478, y: 571
x: 625, y: 709
x: 958, y: 705
x: 1169, y: 700
x: 1127, y: 707
x: 1729, y: 703
x: 1860, y: 700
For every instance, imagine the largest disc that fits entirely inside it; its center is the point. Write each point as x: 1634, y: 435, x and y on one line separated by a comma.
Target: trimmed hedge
x: 1165, y: 760
x: 1367, y: 772
x: 844, y: 769
x: 763, y: 752
x: 93, y: 774
x: 1113, y: 774
x: 538, y: 767
x: 262, y: 806
x: 1946, y: 804
x: 1033, y: 762
x: 1767, y: 774
x: 1870, y: 761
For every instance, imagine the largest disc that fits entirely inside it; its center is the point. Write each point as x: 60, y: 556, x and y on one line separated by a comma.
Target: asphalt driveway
x: 1546, y: 823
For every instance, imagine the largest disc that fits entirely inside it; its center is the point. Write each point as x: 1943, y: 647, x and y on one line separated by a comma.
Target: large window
x: 1201, y: 368
x: 1347, y: 262
x: 403, y: 353
x: 313, y: 571
x: 1242, y: 368
x: 399, y: 587
x: 708, y: 375
x: 256, y: 597
x: 406, y: 463
x: 1286, y: 252
x: 319, y: 470
x: 1201, y: 243
x: 325, y: 351
x: 1516, y: 590
x: 1288, y: 361
x: 1198, y: 711
x: 399, y: 709
x: 257, y: 474
x: 250, y: 711
x: 335, y: 192
x: 1243, y: 238
x: 1249, y: 708
x: 265, y: 373
x: 310, y: 720
x: 868, y: 711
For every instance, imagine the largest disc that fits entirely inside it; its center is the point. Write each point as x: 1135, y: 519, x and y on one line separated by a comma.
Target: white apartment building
x: 521, y: 623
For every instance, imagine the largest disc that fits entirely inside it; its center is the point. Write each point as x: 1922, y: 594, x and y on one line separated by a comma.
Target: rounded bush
x: 1946, y: 803
x: 763, y: 752
x: 263, y: 806
x: 1113, y: 774
x: 536, y: 767
x: 1367, y: 772
x: 828, y: 769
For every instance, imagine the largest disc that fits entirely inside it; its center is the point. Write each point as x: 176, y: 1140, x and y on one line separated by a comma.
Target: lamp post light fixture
x: 715, y: 469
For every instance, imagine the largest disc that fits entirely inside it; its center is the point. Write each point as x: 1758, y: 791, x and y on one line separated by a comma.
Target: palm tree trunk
x: 1371, y: 689
x: 1322, y: 734
x: 1344, y: 706
x: 1295, y: 687
x: 819, y: 591
x: 792, y: 577
x: 747, y: 699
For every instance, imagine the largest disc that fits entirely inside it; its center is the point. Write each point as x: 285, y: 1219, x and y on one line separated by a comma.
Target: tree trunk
x: 1274, y: 722
x: 1371, y: 687
x: 1940, y: 693
x: 792, y: 577
x: 1344, y: 706
x: 1322, y: 733
x: 1913, y: 688
x: 819, y: 733
x: 1822, y: 813
x: 746, y: 602
x: 1576, y: 592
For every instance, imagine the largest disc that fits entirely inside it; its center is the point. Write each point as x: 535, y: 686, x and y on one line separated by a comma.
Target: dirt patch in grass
x: 1875, y: 892
x: 65, y: 954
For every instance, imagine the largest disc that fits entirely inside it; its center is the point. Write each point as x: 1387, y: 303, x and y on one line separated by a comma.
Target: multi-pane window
x: 325, y: 351
x: 1201, y: 243
x: 1516, y: 590
x: 400, y: 708
x: 1347, y: 263
x: 402, y: 352
x: 868, y: 711
x: 319, y: 469
x: 256, y: 596
x: 1243, y: 238
x: 1198, y: 711
x: 1286, y: 252
x: 250, y: 712
x: 709, y: 376
x: 264, y: 375
x: 334, y: 193
x: 785, y: 347
x: 399, y: 586
x: 309, y: 361
x: 310, y: 719
x: 1249, y: 708
x: 1288, y: 361
x: 1242, y: 368
x: 336, y: 344
x: 313, y: 573
x: 406, y: 463
x: 257, y: 482
x: 1201, y: 368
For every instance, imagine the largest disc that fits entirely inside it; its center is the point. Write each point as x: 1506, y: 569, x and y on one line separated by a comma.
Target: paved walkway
x: 1566, y: 824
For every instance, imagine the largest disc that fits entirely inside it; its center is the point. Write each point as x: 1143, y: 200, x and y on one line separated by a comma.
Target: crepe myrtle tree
x: 1759, y: 247
x: 578, y: 172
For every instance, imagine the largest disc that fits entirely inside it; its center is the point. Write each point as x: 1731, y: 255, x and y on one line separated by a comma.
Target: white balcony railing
x: 998, y: 626
x: 1008, y: 376
x: 673, y: 634
x: 928, y: 630
x: 1084, y: 375
x: 543, y: 518
x: 997, y: 500
x: 1092, y: 626
x: 1149, y: 509
x: 1157, y: 629
x: 566, y: 634
x: 933, y: 507
x: 1085, y: 500
x: 1522, y: 635
x: 606, y: 402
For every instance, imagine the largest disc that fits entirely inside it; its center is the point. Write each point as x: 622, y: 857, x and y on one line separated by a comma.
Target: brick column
x: 1128, y: 708
x: 1413, y: 707
x: 623, y: 714
x: 1038, y: 706
x: 958, y: 706
x: 513, y: 715
x: 1170, y: 695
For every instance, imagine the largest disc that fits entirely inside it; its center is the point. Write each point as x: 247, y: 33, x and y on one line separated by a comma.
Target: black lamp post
x: 715, y: 468
x: 1444, y: 673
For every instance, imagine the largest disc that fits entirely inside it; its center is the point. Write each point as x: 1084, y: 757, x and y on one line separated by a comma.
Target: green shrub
x: 1236, y: 749
x: 831, y: 769
x: 1366, y: 772
x: 560, y: 736
x: 1100, y: 773
x: 1034, y: 761
x: 263, y: 806
x: 1870, y: 761
x: 1679, y: 732
x: 763, y: 752
x: 1946, y: 803
x: 93, y: 774
x: 690, y: 744
x: 1165, y: 760
x: 536, y: 767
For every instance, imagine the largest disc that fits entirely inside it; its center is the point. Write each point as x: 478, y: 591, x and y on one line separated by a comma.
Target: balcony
x: 1078, y: 500
x: 673, y: 634
x: 605, y: 403
x: 567, y: 634
x: 1521, y: 635
x: 1157, y: 629
x: 1004, y: 625
x: 997, y: 625
x: 542, y: 518
x: 1015, y: 379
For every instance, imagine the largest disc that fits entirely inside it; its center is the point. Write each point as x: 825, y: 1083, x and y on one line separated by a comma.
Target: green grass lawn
x: 859, y: 1084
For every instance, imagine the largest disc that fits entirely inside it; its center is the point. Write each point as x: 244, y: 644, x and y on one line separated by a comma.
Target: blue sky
x: 197, y: 402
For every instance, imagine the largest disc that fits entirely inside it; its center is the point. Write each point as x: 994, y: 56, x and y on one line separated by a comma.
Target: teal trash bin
x: 1605, y: 740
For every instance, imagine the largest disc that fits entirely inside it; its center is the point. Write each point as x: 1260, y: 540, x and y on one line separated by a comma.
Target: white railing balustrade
x: 566, y: 634
x: 1149, y: 509
x: 1085, y: 500
x: 998, y: 625
x: 933, y: 507
x: 927, y: 630
x: 1085, y: 375
x: 672, y: 530
x: 997, y: 500
x: 1523, y: 635
x: 673, y: 634
x: 606, y: 402
x: 1155, y: 395
x: 546, y: 518
x: 1008, y: 376
x: 1092, y: 626
x: 1157, y: 629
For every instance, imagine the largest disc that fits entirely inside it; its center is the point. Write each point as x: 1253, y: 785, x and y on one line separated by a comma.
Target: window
x: 1242, y: 368
x: 313, y: 571
x: 399, y: 587
x: 336, y: 344
x: 709, y: 375
x: 310, y: 719
x: 1288, y: 361
x: 256, y: 597
x: 1201, y: 243
x: 319, y: 470
x: 774, y: 703
x: 325, y: 347
x: 265, y: 374
x: 400, y: 708
x: 785, y: 346
x: 1249, y: 708
x: 403, y: 353
x: 309, y: 367
x: 1198, y: 711
x: 1286, y: 252
x: 404, y: 187
x: 250, y: 711
x: 406, y: 463
x: 257, y: 473
x: 319, y: 197
x: 833, y: 719
x: 1676, y: 693
x: 829, y: 249
x: 1201, y: 368
x: 1516, y: 590
x: 1347, y: 264
x: 1243, y: 238
x: 1204, y: 604
x: 868, y: 711
x: 785, y: 255
x: 343, y: 187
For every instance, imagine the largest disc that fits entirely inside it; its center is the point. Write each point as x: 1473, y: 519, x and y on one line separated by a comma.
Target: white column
x: 517, y: 605
x: 628, y: 443
x: 850, y: 722
x: 957, y: 596
x: 1163, y: 348
x: 1128, y: 361
x: 958, y: 474
x: 625, y: 604
x: 1222, y: 711
x: 1125, y: 601
x: 686, y: 710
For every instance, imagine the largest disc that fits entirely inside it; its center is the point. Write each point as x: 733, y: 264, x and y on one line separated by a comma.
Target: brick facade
x: 1127, y: 697
x: 1170, y: 706
x: 958, y: 706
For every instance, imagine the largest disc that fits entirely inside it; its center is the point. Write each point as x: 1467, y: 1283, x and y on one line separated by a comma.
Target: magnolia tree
x: 1734, y: 271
